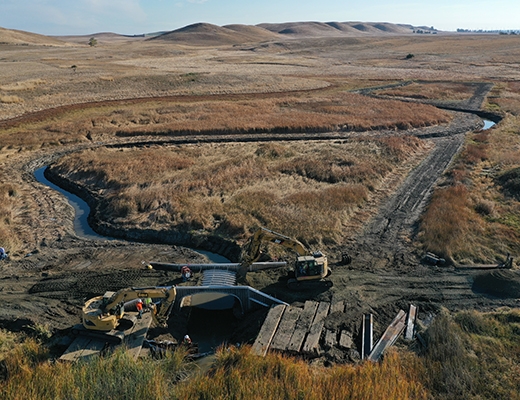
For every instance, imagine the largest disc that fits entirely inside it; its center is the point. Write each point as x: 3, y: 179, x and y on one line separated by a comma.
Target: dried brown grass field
x: 304, y: 189
x: 471, y: 215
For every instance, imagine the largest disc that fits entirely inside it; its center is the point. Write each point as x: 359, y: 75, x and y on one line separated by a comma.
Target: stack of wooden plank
x: 293, y: 329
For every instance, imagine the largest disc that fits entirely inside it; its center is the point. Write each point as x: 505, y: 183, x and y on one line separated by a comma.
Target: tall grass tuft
x: 116, y: 376
x: 447, y: 221
x: 474, y: 355
x: 8, y: 201
x: 237, y: 374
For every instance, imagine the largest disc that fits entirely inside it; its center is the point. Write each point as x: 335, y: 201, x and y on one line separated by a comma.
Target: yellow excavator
x: 101, y: 315
x: 310, y: 266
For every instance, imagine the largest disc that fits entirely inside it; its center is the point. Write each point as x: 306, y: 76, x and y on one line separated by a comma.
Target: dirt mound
x: 79, y: 285
x: 500, y: 283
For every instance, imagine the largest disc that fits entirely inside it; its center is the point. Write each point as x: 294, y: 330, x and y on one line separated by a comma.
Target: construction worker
x: 148, y: 303
x: 139, y: 306
x: 3, y: 254
x: 186, y: 273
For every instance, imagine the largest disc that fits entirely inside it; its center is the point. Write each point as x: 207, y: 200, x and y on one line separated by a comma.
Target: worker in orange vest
x: 139, y: 306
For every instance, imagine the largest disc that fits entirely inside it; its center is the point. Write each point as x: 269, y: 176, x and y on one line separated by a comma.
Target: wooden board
x: 268, y: 329
x: 312, y: 343
x: 286, y: 328
x: 135, y: 336
x: 345, y: 340
x: 410, y: 322
x: 331, y: 339
x: 389, y: 337
x: 82, y: 348
x: 302, y: 326
x: 337, y: 306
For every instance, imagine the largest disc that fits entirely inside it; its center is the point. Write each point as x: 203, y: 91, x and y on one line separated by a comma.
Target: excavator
x: 102, y: 315
x: 310, y: 268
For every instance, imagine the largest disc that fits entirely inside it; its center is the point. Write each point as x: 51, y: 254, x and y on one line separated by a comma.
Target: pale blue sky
x: 77, y: 17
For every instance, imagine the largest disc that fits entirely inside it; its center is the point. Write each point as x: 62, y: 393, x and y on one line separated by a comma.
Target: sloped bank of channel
x: 93, y: 226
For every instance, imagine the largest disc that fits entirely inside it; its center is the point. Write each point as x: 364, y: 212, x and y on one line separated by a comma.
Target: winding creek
x: 82, y: 210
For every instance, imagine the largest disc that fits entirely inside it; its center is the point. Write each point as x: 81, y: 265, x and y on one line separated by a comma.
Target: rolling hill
x: 206, y: 34
x: 12, y: 36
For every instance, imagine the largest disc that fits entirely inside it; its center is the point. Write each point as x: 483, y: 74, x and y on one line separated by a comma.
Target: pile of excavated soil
x: 500, y: 283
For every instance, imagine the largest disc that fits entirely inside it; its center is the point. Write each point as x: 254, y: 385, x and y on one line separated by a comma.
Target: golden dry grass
x: 238, y: 374
x: 307, y: 112
x: 469, y: 355
x: 8, y: 210
x: 22, y: 85
x: 10, y: 99
x: 306, y: 190
x: 473, y: 218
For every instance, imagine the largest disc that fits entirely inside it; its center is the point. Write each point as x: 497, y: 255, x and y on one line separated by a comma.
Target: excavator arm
x: 251, y: 250
x: 309, y: 265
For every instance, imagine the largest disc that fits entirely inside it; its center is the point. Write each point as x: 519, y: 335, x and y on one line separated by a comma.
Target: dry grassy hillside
x: 204, y: 34
x: 15, y: 37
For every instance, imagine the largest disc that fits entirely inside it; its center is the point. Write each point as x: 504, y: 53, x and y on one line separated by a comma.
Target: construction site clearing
x: 290, y: 329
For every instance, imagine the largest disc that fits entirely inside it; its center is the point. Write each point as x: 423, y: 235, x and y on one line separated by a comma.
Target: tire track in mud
x: 385, y: 240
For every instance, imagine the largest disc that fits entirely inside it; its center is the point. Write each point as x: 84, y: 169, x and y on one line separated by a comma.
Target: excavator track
x: 111, y: 337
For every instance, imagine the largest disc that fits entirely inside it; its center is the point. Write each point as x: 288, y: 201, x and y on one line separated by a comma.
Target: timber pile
x: 300, y: 331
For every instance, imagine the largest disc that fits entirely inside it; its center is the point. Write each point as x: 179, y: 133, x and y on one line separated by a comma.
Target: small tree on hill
x: 92, y: 42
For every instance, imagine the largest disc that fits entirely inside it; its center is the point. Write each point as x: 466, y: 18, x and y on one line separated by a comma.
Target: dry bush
x: 448, y: 222
x: 475, y: 153
x: 10, y: 99
x: 306, y: 190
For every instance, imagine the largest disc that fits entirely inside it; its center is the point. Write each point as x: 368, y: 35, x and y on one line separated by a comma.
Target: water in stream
x: 488, y: 124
